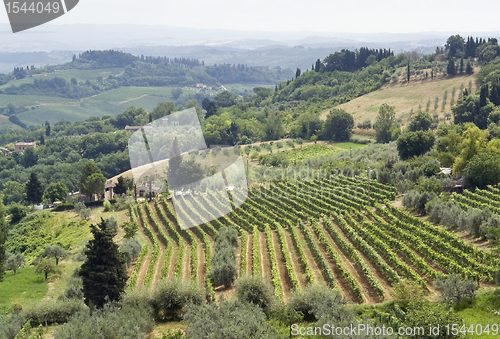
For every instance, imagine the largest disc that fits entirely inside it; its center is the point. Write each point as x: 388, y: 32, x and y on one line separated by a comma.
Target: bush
x: 74, y: 287
x: 64, y: 207
x: 112, y: 321
x: 255, y: 290
x: 235, y: 320
x: 17, y: 212
x: 169, y: 297
x: 405, y: 291
x: 316, y: 301
x: 47, y: 312
x: 454, y: 289
x: 130, y: 248
x: 223, y: 265
x: 416, y: 200
x: 107, y: 206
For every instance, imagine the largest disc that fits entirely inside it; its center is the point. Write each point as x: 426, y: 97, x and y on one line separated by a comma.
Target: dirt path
x: 280, y: 262
x: 186, y: 263
x: 249, y: 255
x: 265, y: 265
x: 128, y: 100
x: 294, y: 257
x: 318, y: 276
x: 386, y: 286
x: 238, y: 257
x: 366, y: 290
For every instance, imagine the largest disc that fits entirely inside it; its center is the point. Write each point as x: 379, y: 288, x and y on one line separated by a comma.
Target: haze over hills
x: 254, y: 48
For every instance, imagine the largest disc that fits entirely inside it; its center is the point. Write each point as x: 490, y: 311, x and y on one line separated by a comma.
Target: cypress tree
x: 461, y: 65
x: 34, y: 192
x: 103, y: 273
x: 408, y: 73
x: 468, y: 68
x: 451, y: 67
x: 174, y: 163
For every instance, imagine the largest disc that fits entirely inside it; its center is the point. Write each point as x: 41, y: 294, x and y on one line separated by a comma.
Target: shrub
x: 74, y: 287
x: 130, y: 248
x: 107, y: 205
x: 405, y: 291
x: 453, y: 288
x: 17, y: 212
x: 169, y: 297
x: 316, y: 301
x: 47, y: 312
x: 416, y: 200
x: 255, y: 290
x: 235, y: 320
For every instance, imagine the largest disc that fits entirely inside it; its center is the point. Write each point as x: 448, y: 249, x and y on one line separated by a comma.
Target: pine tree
x: 103, y: 273
x: 3, y: 238
x: 34, y: 191
x: 297, y: 73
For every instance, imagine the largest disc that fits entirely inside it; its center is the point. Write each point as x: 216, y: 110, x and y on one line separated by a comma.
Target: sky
x: 354, y: 16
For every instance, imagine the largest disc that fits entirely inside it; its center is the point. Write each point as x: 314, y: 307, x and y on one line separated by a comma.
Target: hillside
x: 406, y: 98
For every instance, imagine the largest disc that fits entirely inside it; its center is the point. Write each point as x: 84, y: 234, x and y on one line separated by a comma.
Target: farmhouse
x: 21, y: 146
x: 4, y: 151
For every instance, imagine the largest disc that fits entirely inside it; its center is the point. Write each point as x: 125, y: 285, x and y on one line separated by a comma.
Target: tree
x: 383, y: 123
x: 483, y: 169
x: 177, y: 92
x: 297, y: 73
x: 469, y: 109
x: 211, y: 109
x: 454, y: 46
x: 474, y: 140
x: 13, y: 192
x: 468, y: 68
x: 56, y: 191
x: 103, y: 273
x: 47, y: 129
x: 123, y: 185
x: 29, y: 158
x: 453, y: 288
x: 14, y: 261
x: 91, y: 180
x: 421, y: 122
x: 174, y: 164
x: 255, y: 290
x: 223, y: 266
x: 3, y: 239
x: 461, y: 65
x: 56, y: 252
x: 163, y: 108
x: 451, y: 69
x: 338, y: 125
x: 408, y: 72
x: 34, y: 192
x: 405, y: 291
x: 46, y: 267
x: 412, y: 144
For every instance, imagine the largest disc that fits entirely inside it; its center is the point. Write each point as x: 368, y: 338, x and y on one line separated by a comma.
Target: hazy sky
x: 356, y: 16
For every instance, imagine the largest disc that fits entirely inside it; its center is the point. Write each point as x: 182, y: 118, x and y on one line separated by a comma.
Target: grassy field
x: 68, y: 74
x: 21, y: 288
x: 112, y: 102
x: 407, y: 97
x: 483, y: 312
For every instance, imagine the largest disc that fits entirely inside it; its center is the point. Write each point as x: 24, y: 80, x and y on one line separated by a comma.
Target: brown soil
x: 294, y: 258
x: 141, y: 275
x: 367, y: 291
x: 186, y: 262
x: 280, y: 263
x: 248, y: 269
x: 238, y: 257
x: 175, y: 248
x: 386, y: 286
x: 265, y: 265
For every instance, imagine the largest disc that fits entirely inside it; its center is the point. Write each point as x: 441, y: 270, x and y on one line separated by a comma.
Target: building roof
x: 25, y: 144
x: 109, y: 184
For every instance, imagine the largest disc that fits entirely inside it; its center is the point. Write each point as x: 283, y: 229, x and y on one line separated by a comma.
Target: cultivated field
x: 342, y: 232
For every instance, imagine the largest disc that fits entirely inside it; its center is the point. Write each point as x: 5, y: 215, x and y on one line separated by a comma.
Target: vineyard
x: 342, y: 232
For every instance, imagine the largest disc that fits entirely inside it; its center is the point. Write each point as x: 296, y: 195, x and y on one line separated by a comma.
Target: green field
x: 67, y: 74
x: 22, y: 288
x: 54, y: 109
x: 349, y: 145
